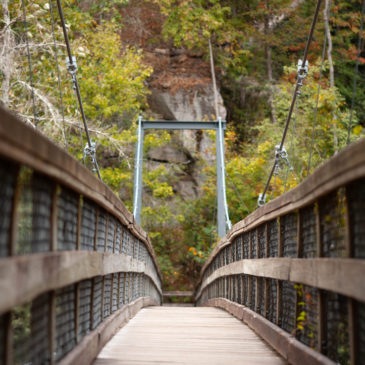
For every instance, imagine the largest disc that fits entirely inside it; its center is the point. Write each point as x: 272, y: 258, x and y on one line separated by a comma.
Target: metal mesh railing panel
x: 65, y: 321
x: 261, y: 287
x: 136, y: 248
x: 273, y: 241
x: 233, y: 251
x: 245, y: 290
x: 107, y: 295
x: 336, y: 344
x: 20, y: 323
x: 356, y: 204
x: 252, y: 293
x: 333, y: 218
x: 360, y: 332
x: 262, y: 240
x: 126, y: 288
x: 8, y: 174
x: 100, y: 243
x: 25, y: 213
x: 239, y: 289
x: 118, y: 239
x: 253, y: 244
x: 288, y: 300
x: 289, y: 224
x: 308, y: 232
x: 124, y: 241
x: 84, y: 308
x: 246, y: 245
x: 67, y: 220
x: 110, y: 238
x: 121, y: 289
x: 239, y: 248
x: 97, y: 299
x: 88, y: 222
x: 42, y: 207
x: 272, y: 300
x: 307, y: 320
x: 39, y: 329
x: 115, y: 293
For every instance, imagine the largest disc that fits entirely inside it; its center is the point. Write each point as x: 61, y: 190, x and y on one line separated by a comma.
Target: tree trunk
x: 7, y: 53
x: 326, y: 13
x: 267, y: 32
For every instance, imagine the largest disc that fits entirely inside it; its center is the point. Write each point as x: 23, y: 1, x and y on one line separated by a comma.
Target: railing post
x: 266, y: 281
x: 258, y: 280
x: 351, y: 302
x: 321, y: 334
x: 8, y: 339
x: 279, y: 283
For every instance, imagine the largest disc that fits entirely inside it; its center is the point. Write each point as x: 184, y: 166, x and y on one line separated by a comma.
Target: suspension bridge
x: 80, y: 283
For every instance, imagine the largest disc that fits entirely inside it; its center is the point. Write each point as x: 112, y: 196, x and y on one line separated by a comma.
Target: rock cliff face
x: 181, y: 89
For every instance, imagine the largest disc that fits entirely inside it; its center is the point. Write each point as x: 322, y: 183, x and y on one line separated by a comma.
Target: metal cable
x: 359, y: 46
x: 58, y: 73
x: 316, y: 109
x: 29, y: 61
x: 76, y: 85
x: 292, y: 147
x: 297, y: 87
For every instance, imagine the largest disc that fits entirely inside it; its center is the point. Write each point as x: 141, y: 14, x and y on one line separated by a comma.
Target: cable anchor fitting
x: 90, y: 151
x: 261, y: 200
x: 302, y: 74
x: 72, y: 69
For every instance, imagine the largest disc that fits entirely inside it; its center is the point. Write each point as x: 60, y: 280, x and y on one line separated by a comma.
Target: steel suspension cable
x: 58, y: 73
x: 29, y: 61
x: 295, y: 94
x: 354, y: 88
x: 90, y: 148
x: 316, y: 109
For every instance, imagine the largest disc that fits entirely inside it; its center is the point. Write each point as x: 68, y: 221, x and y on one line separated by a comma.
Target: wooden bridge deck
x: 172, y: 335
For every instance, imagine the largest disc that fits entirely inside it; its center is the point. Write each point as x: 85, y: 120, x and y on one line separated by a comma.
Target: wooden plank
x: 178, y: 293
x: 284, y: 343
x: 339, y: 275
x: 171, y: 335
x: 25, y: 277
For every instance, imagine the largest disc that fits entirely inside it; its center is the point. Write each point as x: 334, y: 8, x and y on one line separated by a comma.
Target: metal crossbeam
x: 179, y: 124
x: 223, y: 221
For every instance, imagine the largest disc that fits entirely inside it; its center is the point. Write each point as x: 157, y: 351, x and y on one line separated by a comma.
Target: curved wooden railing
x: 294, y: 269
x: 74, y: 266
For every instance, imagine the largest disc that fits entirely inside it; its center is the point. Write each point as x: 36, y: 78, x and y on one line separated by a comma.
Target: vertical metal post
x: 222, y: 209
x: 137, y: 188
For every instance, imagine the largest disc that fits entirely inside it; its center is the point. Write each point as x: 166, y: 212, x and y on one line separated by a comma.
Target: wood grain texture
x: 92, y: 343
x: 23, y: 278
x: 284, y: 343
x: 343, y: 276
x: 173, y: 335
